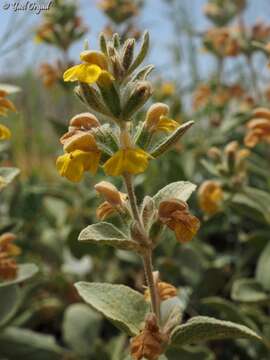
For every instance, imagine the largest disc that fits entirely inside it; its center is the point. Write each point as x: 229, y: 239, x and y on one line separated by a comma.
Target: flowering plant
x: 114, y: 87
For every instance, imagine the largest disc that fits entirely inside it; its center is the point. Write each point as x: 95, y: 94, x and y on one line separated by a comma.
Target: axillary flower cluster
x: 111, y: 136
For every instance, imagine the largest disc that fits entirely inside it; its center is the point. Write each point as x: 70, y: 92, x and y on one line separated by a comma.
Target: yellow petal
x: 94, y: 58
x: 68, y: 167
x: 84, y: 73
x: 73, y: 165
x: 132, y: 161
x: 4, y: 132
x: 167, y: 125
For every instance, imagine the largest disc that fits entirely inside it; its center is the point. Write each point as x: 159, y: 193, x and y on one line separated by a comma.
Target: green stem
x: 147, y: 256
x: 132, y: 199
x: 148, y: 269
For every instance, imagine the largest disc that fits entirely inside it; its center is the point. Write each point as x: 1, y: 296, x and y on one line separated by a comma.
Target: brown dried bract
x: 149, y: 344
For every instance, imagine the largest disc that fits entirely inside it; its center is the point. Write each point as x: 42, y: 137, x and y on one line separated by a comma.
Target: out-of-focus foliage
x: 224, y: 272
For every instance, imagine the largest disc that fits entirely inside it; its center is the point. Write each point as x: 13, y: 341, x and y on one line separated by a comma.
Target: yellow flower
x: 128, y: 160
x: 94, y: 64
x: 210, y: 195
x: 84, y: 73
x: 73, y: 165
x: 167, y: 125
x: 4, y: 132
x: 168, y: 88
x: 157, y: 120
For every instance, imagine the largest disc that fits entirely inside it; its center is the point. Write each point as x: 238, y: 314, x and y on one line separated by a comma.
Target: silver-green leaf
x: 249, y: 291
x: 263, y: 268
x: 7, y: 175
x: 81, y: 327
x: 203, y: 328
x: 123, y: 306
x: 25, y: 271
x: 16, y: 343
x: 180, y: 190
x: 106, y: 234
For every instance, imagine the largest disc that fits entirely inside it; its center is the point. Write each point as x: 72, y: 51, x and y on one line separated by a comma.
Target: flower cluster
x: 5, y: 106
x: 221, y: 12
x: 258, y: 127
x: 60, y: 28
x: 230, y: 167
x: 121, y: 14
x: 100, y: 75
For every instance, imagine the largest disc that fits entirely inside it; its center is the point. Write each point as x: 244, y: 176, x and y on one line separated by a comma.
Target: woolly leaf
x: 203, y: 328
x: 106, y: 234
x: 125, y: 307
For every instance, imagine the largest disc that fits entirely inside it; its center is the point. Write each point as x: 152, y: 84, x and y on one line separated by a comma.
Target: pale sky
x: 155, y: 17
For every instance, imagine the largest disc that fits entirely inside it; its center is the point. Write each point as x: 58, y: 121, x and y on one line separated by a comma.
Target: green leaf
x: 9, y: 302
x: 81, y: 327
x: 125, y: 307
x: 170, y: 140
x: 106, y: 234
x: 142, y: 53
x: 189, y: 353
x: 255, y: 199
x: 16, y: 343
x: 263, y: 268
x: 25, y: 271
x: 249, y: 291
x: 180, y: 190
x: 203, y: 328
x: 227, y: 310
x: 7, y: 175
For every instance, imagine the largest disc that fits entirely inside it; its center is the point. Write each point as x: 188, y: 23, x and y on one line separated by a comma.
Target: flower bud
x: 261, y: 112
x: 214, y: 153
x: 104, y: 211
x: 84, y: 121
x: 138, y: 97
x: 103, y: 44
x: 95, y: 57
x: 109, y: 93
x: 231, y: 153
x: 90, y: 96
x: 154, y: 113
x: 110, y: 192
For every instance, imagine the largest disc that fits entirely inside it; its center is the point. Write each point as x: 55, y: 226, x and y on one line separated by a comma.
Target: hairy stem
x: 147, y: 257
x: 132, y: 198
x: 148, y: 269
